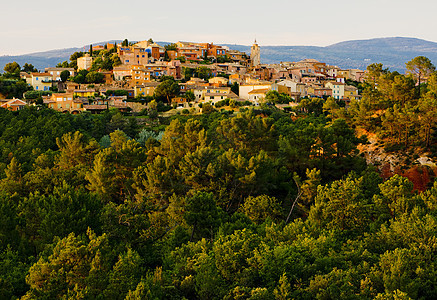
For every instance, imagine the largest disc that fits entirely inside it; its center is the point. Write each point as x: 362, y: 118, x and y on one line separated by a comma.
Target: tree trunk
x: 299, y: 193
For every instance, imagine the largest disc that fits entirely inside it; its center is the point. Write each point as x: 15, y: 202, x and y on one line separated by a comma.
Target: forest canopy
x: 248, y: 205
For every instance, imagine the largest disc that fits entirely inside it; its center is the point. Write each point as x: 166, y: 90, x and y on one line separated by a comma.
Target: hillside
x: 398, y: 44
x: 393, y: 52
x: 45, y: 59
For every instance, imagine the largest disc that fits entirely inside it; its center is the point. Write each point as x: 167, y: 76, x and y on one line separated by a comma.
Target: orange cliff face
x: 420, y: 176
x: 393, y: 163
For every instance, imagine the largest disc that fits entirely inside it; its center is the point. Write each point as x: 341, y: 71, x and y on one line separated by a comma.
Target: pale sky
x: 33, y: 26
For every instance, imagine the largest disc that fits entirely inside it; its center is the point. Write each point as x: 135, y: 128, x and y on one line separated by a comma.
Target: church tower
x: 255, y: 55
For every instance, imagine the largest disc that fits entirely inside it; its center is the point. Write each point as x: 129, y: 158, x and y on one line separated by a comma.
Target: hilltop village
x: 193, y: 171
x: 181, y: 75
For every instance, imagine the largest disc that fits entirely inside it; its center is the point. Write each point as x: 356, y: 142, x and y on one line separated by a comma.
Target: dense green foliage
x: 199, y: 72
x: 105, y: 60
x: 28, y: 68
x: 166, y: 90
x: 12, y: 70
x: 391, y: 108
x: 248, y: 205
x: 10, y: 88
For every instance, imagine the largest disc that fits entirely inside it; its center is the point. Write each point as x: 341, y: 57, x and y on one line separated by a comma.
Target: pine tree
x: 283, y: 290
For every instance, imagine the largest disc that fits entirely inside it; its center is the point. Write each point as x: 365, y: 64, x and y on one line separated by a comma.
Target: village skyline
x: 205, y: 73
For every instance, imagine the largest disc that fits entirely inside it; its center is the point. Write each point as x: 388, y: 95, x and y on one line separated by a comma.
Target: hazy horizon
x: 45, y: 25
x: 241, y: 44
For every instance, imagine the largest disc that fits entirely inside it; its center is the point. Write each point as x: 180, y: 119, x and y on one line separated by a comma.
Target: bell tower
x: 255, y: 55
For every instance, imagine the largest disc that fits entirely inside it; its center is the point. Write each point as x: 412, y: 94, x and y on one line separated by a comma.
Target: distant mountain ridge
x: 392, y: 52
x: 400, y: 44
